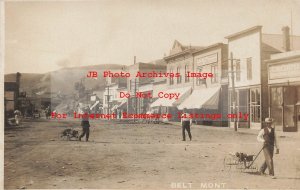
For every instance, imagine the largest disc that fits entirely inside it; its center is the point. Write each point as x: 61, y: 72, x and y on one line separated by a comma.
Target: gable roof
x: 177, y: 48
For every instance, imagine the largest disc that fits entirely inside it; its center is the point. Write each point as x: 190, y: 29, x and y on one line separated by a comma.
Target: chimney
x: 18, y: 77
x: 286, y: 38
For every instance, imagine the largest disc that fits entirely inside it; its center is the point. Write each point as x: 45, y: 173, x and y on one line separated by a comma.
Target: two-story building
x: 247, y: 51
x: 209, y: 96
x: 137, y: 84
x: 180, y: 60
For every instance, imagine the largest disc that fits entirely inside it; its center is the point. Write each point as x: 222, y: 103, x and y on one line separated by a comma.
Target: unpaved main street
x: 138, y: 156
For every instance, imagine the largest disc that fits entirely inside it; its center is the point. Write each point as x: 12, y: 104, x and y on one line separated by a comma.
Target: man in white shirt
x: 268, y: 137
x: 186, y: 123
x: 17, y: 116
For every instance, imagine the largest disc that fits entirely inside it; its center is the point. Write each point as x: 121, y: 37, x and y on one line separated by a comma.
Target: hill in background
x: 59, y: 85
x: 63, y: 81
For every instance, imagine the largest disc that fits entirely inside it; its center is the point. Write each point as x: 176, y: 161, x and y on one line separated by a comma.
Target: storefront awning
x: 184, y: 93
x: 123, y: 105
x: 114, y: 107
x: 207, y: 98
x: 119, y: 105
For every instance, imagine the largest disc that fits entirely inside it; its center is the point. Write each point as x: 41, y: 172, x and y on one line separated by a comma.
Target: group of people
x: 266, y: 135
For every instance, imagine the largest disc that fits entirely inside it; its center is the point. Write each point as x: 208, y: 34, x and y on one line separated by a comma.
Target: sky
x: 43, y: 36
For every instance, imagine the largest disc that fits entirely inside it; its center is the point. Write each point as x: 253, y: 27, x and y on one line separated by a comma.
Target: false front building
x: 208, y: 95
x: 197, y: 94
x: 284, y: 90
x: 247, y: 51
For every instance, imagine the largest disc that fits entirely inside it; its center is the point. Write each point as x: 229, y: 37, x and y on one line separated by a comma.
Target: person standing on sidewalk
x: 186, y: 123
x: 268, y: 137
x: 17, y: 117
x: 85, y: 124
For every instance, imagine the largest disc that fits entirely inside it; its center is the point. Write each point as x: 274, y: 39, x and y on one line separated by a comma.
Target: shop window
x: 249, y: 68
x: 276, y: 96
x: 200, y: 81
x: 289, y: 118
x: 171, y: 80
x: 289, y: 101
x: 178, y: 78
x: 276, y: 113
x: 186, y: 70
x: 214, y: 71
x: 243, y: 102
x: 289, y: 95
x: 231, y: 100
x: 255, y: 105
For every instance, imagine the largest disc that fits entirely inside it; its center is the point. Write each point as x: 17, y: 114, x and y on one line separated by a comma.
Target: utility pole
x: 233, y: 92
x: 108, y: 99
x: 135, y: 99
x: 136, y: 103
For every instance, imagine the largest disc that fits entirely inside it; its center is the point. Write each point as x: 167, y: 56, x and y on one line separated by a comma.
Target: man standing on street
x: 268, y: 137
x: 186, y: 123
x: 17, y: 117
x: 85, y: 126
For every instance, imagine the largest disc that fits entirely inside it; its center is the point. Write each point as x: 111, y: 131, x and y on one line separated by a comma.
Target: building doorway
x: 289, y: 109
x: 297, y: 117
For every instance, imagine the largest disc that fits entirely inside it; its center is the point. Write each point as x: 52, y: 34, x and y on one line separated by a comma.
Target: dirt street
x: 138, y: 156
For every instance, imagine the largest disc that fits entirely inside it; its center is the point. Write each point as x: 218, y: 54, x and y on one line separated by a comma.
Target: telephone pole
x: 108, y: 99
x: 135, y: 98
x: 233, y: 100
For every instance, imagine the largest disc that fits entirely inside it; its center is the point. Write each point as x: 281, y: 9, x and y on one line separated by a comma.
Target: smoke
x: 74, y: 60
x: 64, y: 63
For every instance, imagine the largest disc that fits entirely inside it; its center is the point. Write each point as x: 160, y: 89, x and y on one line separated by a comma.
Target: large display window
x: 284, y: 106
x: 276, y: 104
x: 255, y: 105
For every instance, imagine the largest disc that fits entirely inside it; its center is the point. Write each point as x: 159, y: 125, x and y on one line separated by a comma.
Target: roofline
x: 293, y: 57
x: 140, y: 63
x: 187, y: 51
x: 209, y: 47
x: 280, y: 35
x: 243, y: 32
x: 162, y: 81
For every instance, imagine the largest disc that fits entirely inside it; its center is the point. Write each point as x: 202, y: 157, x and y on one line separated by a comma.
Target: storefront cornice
x: 185, y: 52
x: 283, y: 60
x: 243, y: 33
x: 216, y: 45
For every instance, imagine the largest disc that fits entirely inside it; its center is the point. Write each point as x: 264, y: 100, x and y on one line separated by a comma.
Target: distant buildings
x: 142, y: 85
x: 11, y: 92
